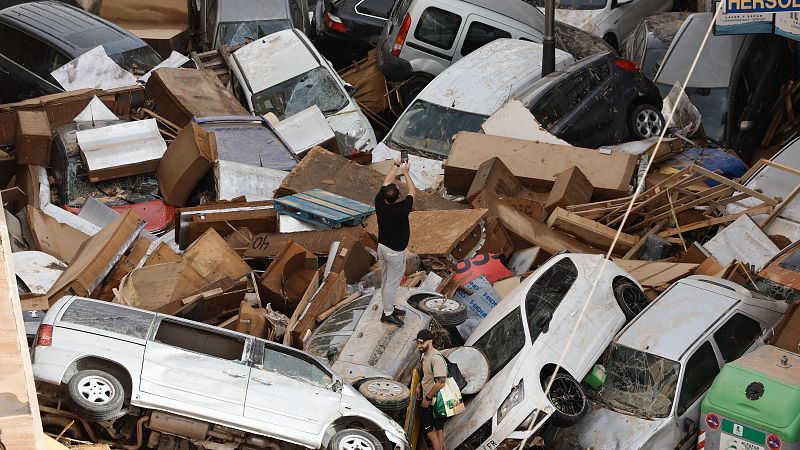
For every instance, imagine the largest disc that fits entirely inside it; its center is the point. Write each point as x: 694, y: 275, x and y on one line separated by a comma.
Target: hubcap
x: 441, y: 304
x: 648, y: 123
x: 634, y: 300
x: 96, y: 389
x: 567, y: 397
x: 384, y: 388
x: 356, y: 442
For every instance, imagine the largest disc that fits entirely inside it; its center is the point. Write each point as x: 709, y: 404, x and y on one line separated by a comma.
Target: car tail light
x: 626, y: 64
x: 334, y: 23
x: 401, y: 35
x: 44, y: 336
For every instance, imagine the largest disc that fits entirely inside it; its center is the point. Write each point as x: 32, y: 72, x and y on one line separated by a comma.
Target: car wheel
x: 412, y: 87
x: 568, y: 398
x: 630, y: 298
x: 352, y: 439
x: 446, y: 311
x: 645, y: 122
x: 95, y: 395
x: 387, y: 395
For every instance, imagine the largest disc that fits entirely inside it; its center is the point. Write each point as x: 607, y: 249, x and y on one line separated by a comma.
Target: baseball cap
x: 424, y: 335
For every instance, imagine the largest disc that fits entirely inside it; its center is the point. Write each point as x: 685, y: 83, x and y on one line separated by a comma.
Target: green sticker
x: 744, y: 432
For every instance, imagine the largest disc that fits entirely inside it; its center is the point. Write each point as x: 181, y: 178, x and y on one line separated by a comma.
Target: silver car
x: 200, y: 382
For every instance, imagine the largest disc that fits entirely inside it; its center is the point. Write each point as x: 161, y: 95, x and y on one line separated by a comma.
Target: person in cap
x: 434, y: 376
x: 393, y: 234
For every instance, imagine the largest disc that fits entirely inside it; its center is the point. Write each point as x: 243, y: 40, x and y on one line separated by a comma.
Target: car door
x: 196, y: 365
x: 25, y: 66
x: 697, y: 375
x: 479, y: 31
x: 589, y: 105
x: 433, y: 39
x: 290, y: 391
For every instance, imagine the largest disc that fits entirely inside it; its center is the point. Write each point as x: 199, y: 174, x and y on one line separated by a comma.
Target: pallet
x: 323, y: 208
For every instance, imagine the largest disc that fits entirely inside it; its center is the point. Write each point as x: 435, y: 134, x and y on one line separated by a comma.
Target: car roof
x: 664, y: 26
x: 544, y: 84
x: 249, y: 10
x: 71, y: 30
x: 263, y: 62
x: 514, y: 9
x: 682, y: 314
x: 484, y: 80
x: 716, y: 62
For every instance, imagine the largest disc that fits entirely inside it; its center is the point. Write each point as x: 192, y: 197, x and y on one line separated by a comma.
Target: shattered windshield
x: 140, y: 59
x: 638, y: 383
x: 572, y: 4
x: 503, y: 341
x: 236, y: 33
x: 428, y: 128
x: 315, y: 87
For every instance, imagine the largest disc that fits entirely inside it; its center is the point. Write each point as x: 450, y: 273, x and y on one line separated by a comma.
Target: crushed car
x: 376, y: 358
x: 120, y: 368
x: 660, y: 366
x: 230, y: 23
x: 525, y: 336
x: 284, y: 74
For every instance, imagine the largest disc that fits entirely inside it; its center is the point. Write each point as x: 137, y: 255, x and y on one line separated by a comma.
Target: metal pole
x: 549, y: 44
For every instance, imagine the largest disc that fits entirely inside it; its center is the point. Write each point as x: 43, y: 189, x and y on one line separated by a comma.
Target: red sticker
x: 712, y: 421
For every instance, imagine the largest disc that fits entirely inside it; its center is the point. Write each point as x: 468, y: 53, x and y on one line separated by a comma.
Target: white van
x: 460, y: 99
x: 284, y: 74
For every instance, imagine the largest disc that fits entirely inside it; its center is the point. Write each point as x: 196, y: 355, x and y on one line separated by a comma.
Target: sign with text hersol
x: 761, y: 6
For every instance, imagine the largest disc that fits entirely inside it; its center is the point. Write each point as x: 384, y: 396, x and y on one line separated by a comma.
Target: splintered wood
x: 668, y: 202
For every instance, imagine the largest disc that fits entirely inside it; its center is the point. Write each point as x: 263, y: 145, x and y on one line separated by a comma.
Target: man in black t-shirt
x: 393, y: 234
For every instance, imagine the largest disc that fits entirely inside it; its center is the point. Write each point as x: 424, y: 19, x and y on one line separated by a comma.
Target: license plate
x: 728, y: 442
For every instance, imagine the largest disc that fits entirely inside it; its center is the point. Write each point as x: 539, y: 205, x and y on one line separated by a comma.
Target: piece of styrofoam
x: 742, y: 241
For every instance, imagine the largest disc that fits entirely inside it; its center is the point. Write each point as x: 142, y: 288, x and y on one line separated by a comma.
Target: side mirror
x: 746, y: 125
x: 351, y: 91
x: 616, y: 3
x: 689, y: 426
x: 337, y: 386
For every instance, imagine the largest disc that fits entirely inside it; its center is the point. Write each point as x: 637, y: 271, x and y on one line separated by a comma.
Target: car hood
x: 605, y: 429
x: 585, y: 19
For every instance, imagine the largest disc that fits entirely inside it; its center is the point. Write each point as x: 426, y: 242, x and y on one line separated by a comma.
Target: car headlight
x: 357, y: 130
x: 513, y: 399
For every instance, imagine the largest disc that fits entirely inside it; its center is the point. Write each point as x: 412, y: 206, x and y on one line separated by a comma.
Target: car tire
x: 412, y: 87
x: 645, y: 122
x: 446, y: 311
x: 630, y: 298
x: 568, y: 398
x: 353, y: 439
x: 95, y: 395
x: 387, y: 395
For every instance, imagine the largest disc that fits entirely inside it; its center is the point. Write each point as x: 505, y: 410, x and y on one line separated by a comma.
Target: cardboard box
x: 33, y: 138
x: 187, y: 159
x: 536, y: 164
x: 493, y: 174
x: 571, y: 188
x: 164, y: 40
x: 178, y: 95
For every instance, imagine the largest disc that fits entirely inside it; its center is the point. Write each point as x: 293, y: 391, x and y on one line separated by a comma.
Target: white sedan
x: 524, y: 337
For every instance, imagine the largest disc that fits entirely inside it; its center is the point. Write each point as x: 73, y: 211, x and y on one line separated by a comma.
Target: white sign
x: 728, y: 442
x: 788, y: 25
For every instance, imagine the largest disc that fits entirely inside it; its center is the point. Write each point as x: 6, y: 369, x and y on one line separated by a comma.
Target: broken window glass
x: 546, y: 293
x: 236, y: 33
x: 109, y: 317
x: 428, y: 128
x: 315, y: 87
x: 503, y: 341
x: 295, y: 368
x: 639, y: 383
x: 701, y: 369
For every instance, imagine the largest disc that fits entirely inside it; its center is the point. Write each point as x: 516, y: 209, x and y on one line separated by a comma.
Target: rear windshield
x: 109, y: 317
x: 236, y: 33
x: 287, y: 98
x: 140, y: 59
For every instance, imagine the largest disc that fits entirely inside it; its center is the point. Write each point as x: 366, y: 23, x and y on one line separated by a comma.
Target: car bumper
x: 341, y: 45
x: 393, y: 68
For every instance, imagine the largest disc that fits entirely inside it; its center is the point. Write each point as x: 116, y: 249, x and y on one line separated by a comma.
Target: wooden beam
x: 735, y: 185
x: 682, y: 207
x: 780, y: 207
x: 589, y: 231
x: 761, y: 209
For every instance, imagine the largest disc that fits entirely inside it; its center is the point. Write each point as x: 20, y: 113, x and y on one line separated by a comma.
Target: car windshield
x: 330, y: 337
x: 638, y: 383
x: 236, y: 33
x: 140, y: 59
x: 652, y: 59
x: 315, y: 87
x: 573, y: 4
x: 713, y: 106
x: 503, y: 341
x: 428, y: 128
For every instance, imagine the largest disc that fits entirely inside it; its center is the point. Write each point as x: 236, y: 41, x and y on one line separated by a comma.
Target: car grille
x: 478, y: 437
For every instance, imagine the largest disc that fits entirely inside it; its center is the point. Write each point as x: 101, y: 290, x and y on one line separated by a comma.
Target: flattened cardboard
x: 187, y: 159
x: 280, y: 284
x: 351, y: 259
x: 97, y: 256
x: 33, y: 138
x: 52, y: 237
x: 269, y: 245
x: 329, y: 294
x: 535, y: 163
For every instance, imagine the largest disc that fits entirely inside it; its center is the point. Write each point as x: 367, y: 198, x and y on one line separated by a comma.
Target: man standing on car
x: 393, y: 235
x: 434, y: 376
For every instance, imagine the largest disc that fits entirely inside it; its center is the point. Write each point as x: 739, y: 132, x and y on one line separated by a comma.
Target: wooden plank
x: 716, y: 192
x: 761, y: 209
x: 268, y: 245
x: 643, y: 239
x: 780, y: 207
x: 313, y: 286
x: 737, y: 186
x: 589, y: 231
x: 436, y: 233
x: 329, y: 294
x: 655, y: 274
